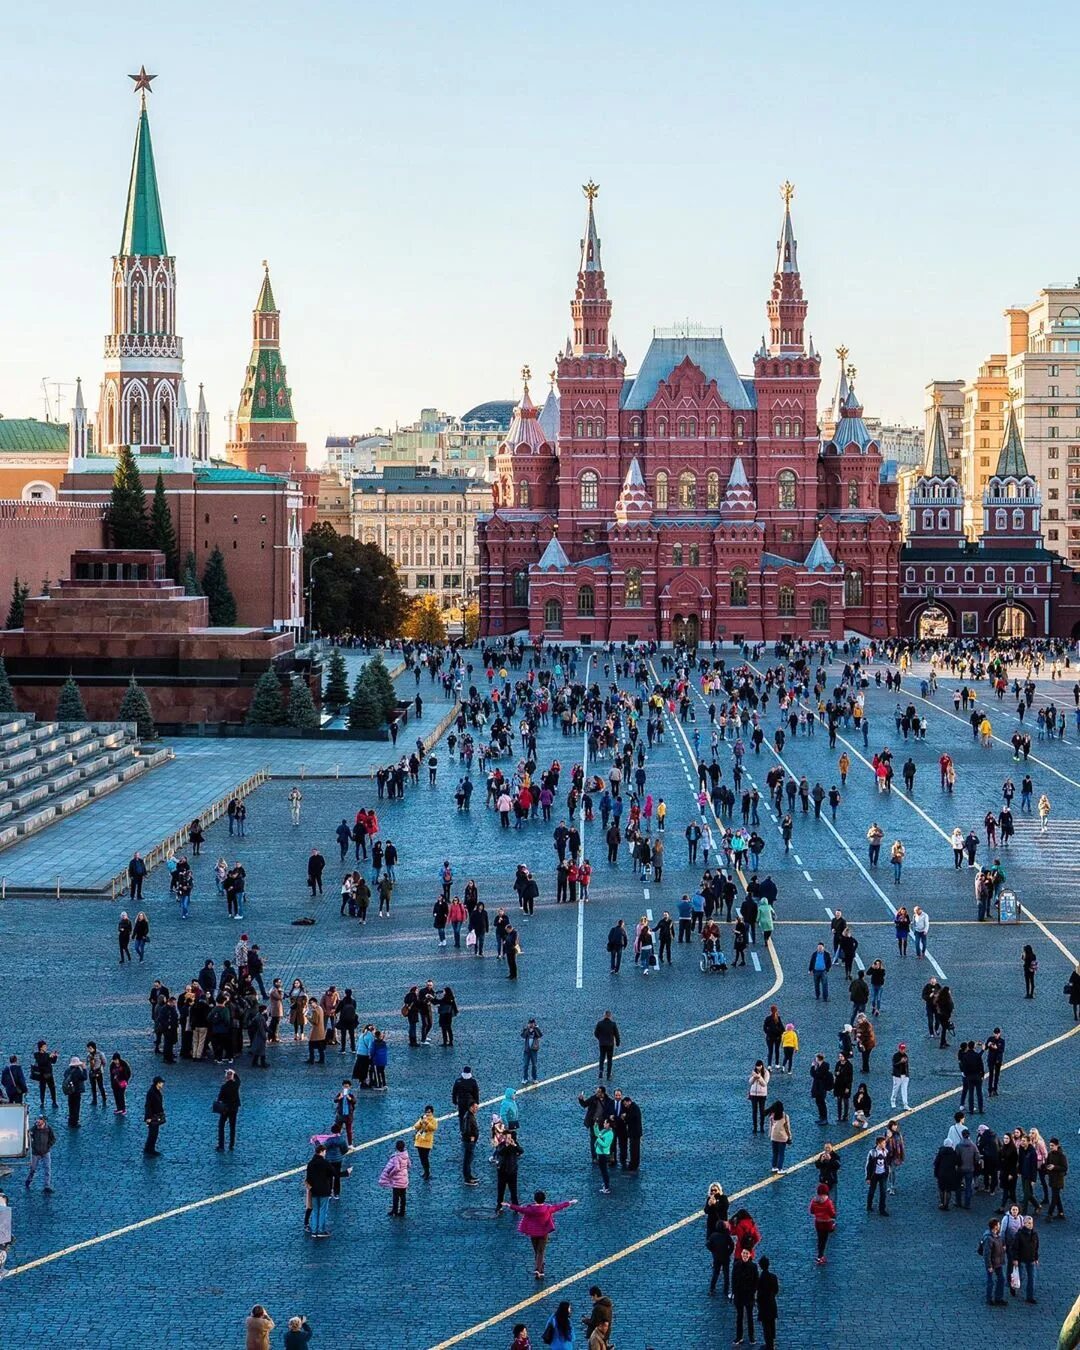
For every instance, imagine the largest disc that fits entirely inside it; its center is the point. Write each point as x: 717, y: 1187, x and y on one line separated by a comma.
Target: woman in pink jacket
x: 538, y: 1223
x: 396, y: 1175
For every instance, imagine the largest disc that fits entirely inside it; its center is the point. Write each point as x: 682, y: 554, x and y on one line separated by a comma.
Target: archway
x: 1012, y: 621
x: 686, y: 630
x: 933, y: 623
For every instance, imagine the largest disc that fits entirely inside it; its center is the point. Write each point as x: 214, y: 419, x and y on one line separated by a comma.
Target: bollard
x: 58, y: 888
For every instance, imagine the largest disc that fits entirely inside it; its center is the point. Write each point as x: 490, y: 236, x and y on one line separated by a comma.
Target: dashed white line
x: 756, y: 962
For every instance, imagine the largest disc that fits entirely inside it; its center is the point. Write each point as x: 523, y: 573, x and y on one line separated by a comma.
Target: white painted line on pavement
x: 754, y: 959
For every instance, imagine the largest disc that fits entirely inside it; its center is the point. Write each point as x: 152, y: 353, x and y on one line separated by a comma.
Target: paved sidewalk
x: 91, y: 846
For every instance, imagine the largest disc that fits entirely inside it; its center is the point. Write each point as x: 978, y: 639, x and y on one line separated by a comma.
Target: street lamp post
x: 311, y: 592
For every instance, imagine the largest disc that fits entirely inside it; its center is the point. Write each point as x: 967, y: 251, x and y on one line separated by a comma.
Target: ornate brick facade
x: 688, y: 502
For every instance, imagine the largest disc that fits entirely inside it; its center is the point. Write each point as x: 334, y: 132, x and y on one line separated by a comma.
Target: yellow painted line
x: 588, y: 1271
x: 222, y: 1196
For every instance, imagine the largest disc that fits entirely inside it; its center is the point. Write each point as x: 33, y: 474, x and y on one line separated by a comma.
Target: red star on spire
x: 142, y: 81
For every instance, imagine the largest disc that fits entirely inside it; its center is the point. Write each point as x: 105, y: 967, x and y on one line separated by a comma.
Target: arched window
x: 1010, y: 574
x: 695, y: 555
x: 661, y: 491
x: 552, y: 616
x: 853, y: 588
x: 950, y: 574
x: 589, y: 427
x: 687, y: 491
x: 778, y: 427
x: 785, y: 600
x: 682, y: 426
x: 787, y: 426
x: 740, y: 427
x: 1001, y: 520
x: 853, y: 494
x: 943, y: 520
x: 712, y: 426
x: 633, y: 588
x: 692, y: 426
x: 969, y: 574
x: 581, y: 426
x: 676, y: 555
x: 586, y: 602
x: 521, y: 587
x: 819, y: 614
x: 928, y: 520
x: 989, y: 575
x: 785, y: 482
x: 590, y: 490
x: 38, y: 492
x: 740, y: 594
x: 1029, y: 574
x: 661, y: 426
x: 1018, y: 520
x: 635, y: 426
x: 930, y: 574
x: 796, y: 427
x: 712, y: 490
x: 909, y: 575
x: 523, y: 493
x: 138, y: 305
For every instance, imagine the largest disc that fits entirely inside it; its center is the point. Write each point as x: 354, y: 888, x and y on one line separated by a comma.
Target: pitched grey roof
x: 549, y: 416
x: 819, y: 558
x: 601, y: 562
x: 1011, y: 462
x: 709, y: 354
x: 937, y: 452
x: 554, y: 557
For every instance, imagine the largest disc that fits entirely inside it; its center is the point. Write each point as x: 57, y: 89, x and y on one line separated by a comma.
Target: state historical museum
x: 689, y: 503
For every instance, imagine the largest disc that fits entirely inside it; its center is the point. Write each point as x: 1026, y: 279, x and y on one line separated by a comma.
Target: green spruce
x: 267, y: 703
x: 336, y: 693
x: 128, y: 525
x: 382, y: 686
x: 215, y: 584
x: 364, y: 711
x: 191, y: 576
x: 16, y: 612
x: 162, y: 531
x: 135, y: 707
x: 69, y: 706
x: 8, y: 707
x: 302, y: 710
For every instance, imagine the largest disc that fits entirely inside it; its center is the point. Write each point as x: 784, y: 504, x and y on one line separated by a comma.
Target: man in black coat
x: 768, y: 1288
x: 617, y: 941
x: 320, y: 1179
x: 744, y: 1287
x: 315, y: 865
x: 464, y: 1093
x: 606, y: 1033
x: 227, y: 1107
x: 631, y: 1114
x: 154, y: 1116
x: 597, y: 1107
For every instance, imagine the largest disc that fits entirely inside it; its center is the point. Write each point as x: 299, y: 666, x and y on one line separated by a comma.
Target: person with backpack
x: 72, y: 1085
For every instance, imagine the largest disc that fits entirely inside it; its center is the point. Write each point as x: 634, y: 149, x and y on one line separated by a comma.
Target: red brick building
x: 688, y: 502
x: 1005, y: 583
x: 252, y: 516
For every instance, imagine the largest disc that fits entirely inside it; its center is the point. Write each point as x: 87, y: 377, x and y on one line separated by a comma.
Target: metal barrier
x: 179, y: 838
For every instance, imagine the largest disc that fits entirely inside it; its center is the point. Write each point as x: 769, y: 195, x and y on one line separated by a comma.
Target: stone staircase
x: 49, y: 769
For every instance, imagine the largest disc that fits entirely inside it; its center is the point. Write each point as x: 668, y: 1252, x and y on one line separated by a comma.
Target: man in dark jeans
x: 227, y: 1107
x: 877, y: 1172
x: 470, y: 1133
x: 154, y: 1116
x: 606, y: 1033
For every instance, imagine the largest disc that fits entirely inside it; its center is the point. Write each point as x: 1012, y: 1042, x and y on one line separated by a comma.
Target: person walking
x: 123, y: 937
x: 819, y: 967
x: 901, y: 1077
x: 877, y: 1173
x: 537, y: 1223
x: 42, y: 1140
x: 992, y: 1251
x: 606, y: 1034
x: 896, y: 856
x: 779, y: 1136
x: 1044, y: 813
x: 823, y: 1214
x: 920, y: 926
x: 767, y: 1301
x: 395, y: 1175
x: 617, y: 941
x: 315, y: 866
x: 227, y: 1108
x: 154, y: 1116
x: 1057, y: 1167
x: 1030, y: 965
x: 73, y: 1085
x: 424, y: 1138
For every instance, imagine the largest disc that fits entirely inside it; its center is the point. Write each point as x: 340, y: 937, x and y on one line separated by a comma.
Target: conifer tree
x: 382, y: 686
x: 16, y: 612
x: 364, y: 711
x: 69, y: 706
x: 191, y: 576
x: 8, y: 707
x: 135, y: 707
x: 267, y: 704
x: 302, y: 710
x: 215, y: 584
x: 162, y: 532
x: 128, y: 525
x: 336, y: 693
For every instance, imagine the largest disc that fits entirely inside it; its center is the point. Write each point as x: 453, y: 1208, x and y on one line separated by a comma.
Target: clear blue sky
x: 413, y: 174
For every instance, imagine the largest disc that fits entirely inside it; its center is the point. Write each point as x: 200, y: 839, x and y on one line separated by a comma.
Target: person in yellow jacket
x: 424, y: 1138
x: 789, y: 1044
x: 661, y: 813
x: 986, y: 733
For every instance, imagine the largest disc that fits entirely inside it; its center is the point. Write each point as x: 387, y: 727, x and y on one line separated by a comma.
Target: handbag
x: 218, y: 1107
x: 1014, y: 1278
x: 470, y: 941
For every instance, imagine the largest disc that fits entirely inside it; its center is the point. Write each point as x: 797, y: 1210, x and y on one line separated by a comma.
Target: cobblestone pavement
x: 210, y: 1233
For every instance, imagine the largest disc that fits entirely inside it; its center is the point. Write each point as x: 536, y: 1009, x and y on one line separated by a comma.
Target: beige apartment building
x: 950, y: 395
x: 1043, y: 369
x: 985, y: 409
x: 426, y: 523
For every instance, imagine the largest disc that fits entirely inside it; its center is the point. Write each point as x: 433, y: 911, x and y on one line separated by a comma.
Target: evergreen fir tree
x: 162, y: 533
x: 16, y: 613
x: 69, y: 706
x: 191, y: 576
x: 135, y: 707
x: 364, y: 711
x: 267, y: 704
x: 336, y: 693
x: 8, y: 707
x: 302, y: 710
x: 215, y: 584
x: 382, y: 686
x: 128, y: 525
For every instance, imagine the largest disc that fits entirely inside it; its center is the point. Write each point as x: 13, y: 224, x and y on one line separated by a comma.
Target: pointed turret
x: 79, y: 430
x: 525, y: 432
x: 183, y: 423
x: 549, y: 414
x: 590, y: 309
x: 840, y: 393
x: 786, y: 308
x: 554, y: 557
x: 265, y: 304
x: 144, y: 229
x: 202, y: 428
x: 936, y: 464
x: 1012, y: 462
x: 634, y: 504
x: 738, y: 499
x: 819, y: 559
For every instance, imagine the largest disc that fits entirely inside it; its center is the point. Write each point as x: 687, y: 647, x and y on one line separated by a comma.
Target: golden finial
x: 937, y: 396
x: 590, y: 190
x: 842, y: 353
x: 526, y: 375
x: 1015, y: 395
x: 787, y: 191
x: 266, y: 265
x: 551, y: 377
x: 851, y: 374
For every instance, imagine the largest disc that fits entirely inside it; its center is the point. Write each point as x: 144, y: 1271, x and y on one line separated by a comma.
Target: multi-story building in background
x: 426, y: 523
x: 949, y: 396
x: 900, y: 444
x: 444, y: 443
x: 985, y: 406
x: 346, y: 455
x: 1043, y: 368
x: 335, y: 501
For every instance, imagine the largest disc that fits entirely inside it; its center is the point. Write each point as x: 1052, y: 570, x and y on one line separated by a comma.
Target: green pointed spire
x: 937, y: 452
x: 266, y: 303
x: 1012, y: 462
x: 144, y: 229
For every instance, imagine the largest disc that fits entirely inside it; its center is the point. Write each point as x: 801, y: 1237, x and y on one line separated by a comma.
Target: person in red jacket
x: 823, y: 1212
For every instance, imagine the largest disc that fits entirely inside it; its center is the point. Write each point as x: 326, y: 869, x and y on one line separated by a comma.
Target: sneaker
x: 605, y: 1190
x: 48, y: 1190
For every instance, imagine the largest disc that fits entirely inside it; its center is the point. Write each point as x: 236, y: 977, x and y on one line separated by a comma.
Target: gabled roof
x: 554, y: 557
x: 1012, y: 462
x: 709, y: 354
x: 144, y: 229
x: 819, y: 559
